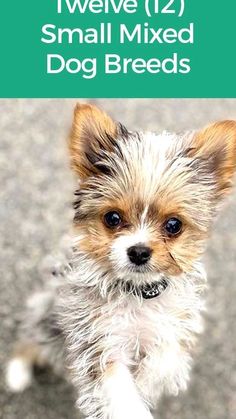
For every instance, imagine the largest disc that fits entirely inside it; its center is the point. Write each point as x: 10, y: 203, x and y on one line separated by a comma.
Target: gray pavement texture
x: 35, y: 212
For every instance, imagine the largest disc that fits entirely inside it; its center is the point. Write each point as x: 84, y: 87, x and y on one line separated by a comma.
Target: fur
x: 124, y: 352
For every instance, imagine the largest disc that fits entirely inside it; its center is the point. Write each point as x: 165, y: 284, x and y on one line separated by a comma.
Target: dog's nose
x: 139, y: 254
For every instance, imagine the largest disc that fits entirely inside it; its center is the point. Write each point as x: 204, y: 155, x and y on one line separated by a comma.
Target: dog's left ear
x: 93, y: 133
x: 216, y: 147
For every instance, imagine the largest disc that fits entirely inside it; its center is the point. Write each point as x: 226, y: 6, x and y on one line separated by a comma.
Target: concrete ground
x: 35, y: 211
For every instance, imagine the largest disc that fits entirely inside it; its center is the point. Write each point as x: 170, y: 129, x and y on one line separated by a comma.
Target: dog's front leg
x: 121, y: 395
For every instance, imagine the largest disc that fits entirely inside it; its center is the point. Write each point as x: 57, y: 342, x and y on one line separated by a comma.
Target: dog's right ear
x: 93, y: 133
x: 215, y: 148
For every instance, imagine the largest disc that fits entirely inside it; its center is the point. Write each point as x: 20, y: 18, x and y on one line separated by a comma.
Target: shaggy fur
x: 124, y: 351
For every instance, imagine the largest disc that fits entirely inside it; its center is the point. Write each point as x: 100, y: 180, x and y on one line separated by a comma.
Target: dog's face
x: 146, y: 202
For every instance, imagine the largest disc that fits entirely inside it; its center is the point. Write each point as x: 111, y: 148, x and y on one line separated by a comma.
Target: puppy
x: 125, y: 309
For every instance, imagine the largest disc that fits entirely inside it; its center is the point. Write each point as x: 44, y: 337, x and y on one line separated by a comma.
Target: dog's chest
x: 135, y: 330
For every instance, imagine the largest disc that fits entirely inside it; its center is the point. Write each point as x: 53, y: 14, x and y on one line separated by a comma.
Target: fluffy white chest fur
x: 151, y: 338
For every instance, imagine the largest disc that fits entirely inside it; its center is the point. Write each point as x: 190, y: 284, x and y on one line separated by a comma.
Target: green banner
x: 118, y: 48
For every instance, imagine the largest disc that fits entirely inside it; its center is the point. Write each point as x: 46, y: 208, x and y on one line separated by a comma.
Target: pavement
x: 35, y: 212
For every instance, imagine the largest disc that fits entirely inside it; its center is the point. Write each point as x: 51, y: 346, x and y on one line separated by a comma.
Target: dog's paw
x: 138, y: 411
x: 18, y: 375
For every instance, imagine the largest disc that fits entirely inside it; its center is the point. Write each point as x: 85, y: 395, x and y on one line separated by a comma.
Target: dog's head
x: 146, y: 202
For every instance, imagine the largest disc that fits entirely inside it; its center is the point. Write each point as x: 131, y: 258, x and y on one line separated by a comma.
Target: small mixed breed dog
x: 125, y: 311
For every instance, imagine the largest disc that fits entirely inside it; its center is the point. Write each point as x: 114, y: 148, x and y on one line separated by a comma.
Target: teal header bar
x: 118, y: 48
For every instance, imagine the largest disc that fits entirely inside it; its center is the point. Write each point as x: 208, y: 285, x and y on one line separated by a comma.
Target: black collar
x: 147, y: 291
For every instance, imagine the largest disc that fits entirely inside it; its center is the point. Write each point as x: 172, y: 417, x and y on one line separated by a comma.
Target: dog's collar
x: 147, y: 291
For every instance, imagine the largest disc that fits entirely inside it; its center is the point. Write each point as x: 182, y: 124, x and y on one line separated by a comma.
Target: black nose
x: 139, y: 255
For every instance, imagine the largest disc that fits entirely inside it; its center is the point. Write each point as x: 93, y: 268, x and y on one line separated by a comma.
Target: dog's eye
x: 173, y: 226
x: 112, y: 219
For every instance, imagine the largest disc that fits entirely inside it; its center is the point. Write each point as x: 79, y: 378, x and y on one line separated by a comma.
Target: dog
x: 125, y: 307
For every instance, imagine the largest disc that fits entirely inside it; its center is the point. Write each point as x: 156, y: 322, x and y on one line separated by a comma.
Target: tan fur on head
x: 217, y: 144
x: 148, y: 179
x: 92, y: 129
